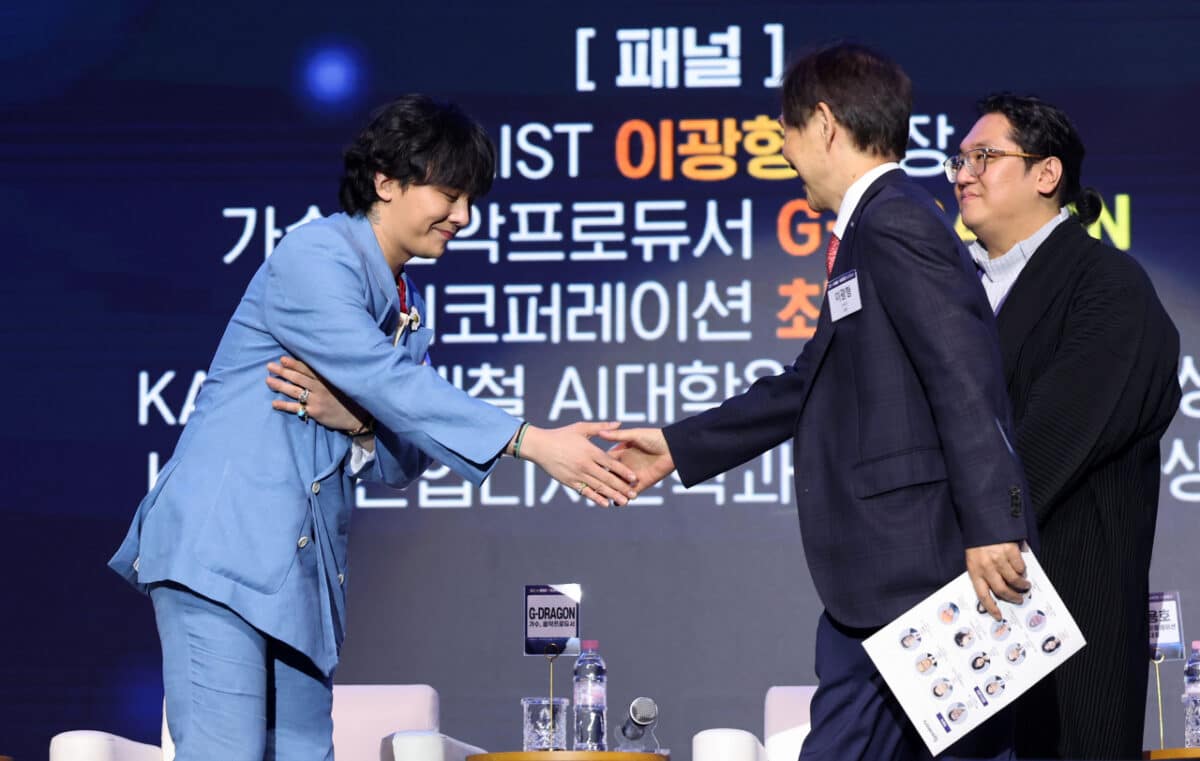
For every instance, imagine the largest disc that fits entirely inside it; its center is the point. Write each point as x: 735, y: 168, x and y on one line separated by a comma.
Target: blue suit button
x: 316, y: 487
x: 303, y: 542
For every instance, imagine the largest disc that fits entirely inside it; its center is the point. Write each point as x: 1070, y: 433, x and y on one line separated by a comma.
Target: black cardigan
x: 1090, y: 359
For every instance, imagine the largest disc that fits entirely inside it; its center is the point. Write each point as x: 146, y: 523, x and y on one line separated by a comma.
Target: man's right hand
x: 643, y: 449
x: 569, y: 457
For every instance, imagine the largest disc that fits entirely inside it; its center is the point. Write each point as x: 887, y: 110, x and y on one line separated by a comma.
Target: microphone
x: 643, y: 712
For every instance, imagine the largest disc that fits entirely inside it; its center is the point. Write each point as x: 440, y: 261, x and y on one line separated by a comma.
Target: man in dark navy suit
x: 905, y: 475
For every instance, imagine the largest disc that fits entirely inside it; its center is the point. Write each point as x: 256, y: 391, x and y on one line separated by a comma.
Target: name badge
x: 844, y: 297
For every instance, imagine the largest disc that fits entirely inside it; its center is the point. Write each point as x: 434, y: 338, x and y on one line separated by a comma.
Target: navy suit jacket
x: 898, y: 413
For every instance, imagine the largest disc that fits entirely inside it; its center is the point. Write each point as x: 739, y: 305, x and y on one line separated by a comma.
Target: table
x: 567, y: 755
x: 1166, y: 753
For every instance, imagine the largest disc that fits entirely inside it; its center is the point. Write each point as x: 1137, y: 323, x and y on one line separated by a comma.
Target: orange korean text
x: 703, y: 150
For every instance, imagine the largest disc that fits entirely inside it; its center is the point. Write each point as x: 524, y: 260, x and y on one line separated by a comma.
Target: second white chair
x: 786, y: 722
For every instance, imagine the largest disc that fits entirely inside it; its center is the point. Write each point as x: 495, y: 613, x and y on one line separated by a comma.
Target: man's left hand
x: 322, y: 402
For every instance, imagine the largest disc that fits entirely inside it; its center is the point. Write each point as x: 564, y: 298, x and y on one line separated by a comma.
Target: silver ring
x: 303, y: 396
x: 302, y: 413
x: 582, y: 487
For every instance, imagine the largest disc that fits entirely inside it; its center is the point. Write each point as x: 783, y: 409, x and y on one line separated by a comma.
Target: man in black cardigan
x: 1090, y: 360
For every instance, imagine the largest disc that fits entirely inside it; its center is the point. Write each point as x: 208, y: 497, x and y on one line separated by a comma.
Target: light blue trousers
x: 233, y: 693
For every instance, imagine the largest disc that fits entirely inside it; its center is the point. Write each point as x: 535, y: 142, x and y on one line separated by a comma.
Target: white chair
x: 364, y: 715
x: 392, y: 723
x: 786, y: 723
x: 786, y: 720
x: 727, y: 745
x: 424, y: 746
x: 388, y: 722
x: 90, y: 745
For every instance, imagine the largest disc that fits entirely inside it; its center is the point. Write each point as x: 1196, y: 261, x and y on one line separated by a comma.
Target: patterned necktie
x: 831, y: 254
x: 400, y: 291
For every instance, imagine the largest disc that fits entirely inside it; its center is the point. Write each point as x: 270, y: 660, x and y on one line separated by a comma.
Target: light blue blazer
x: 253, y: 508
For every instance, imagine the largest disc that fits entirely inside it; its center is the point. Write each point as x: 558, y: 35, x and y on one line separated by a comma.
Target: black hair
x: 867, y: 93
x: 1044, y: 130
x: 417, y: 140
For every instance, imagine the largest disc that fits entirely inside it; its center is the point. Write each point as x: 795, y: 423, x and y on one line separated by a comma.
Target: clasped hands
x: 566, y: 453
x: 639, y: 459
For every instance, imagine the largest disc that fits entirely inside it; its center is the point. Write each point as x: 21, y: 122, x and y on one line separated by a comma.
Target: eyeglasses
x: 976, y: 160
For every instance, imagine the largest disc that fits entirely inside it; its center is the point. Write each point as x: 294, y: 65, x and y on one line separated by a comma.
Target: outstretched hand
x: 569, y: 457
x: 644, y: 450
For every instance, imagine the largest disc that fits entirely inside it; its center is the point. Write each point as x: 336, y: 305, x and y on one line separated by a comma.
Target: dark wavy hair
x: 869, y: 94
x: 1041, y: 129
x: 417, y: 140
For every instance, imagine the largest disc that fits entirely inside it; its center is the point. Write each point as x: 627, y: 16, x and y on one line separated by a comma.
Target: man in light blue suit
x: 241, y: 543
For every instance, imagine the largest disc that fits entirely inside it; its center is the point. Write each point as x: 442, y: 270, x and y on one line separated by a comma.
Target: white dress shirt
x: 360, y: 457
x: 854, y: 194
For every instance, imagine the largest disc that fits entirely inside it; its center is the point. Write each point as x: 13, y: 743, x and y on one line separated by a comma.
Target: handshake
x: 639, y: 459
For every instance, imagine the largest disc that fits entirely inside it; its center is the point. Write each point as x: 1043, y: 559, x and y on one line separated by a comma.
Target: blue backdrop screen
x: 644, y: 254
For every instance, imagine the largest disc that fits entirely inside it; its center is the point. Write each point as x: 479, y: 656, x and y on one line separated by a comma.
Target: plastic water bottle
x: 1191, y: 698
x: 590, y: 698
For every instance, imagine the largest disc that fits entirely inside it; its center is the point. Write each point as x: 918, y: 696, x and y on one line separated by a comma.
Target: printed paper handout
x: 952, y: 666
